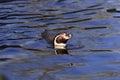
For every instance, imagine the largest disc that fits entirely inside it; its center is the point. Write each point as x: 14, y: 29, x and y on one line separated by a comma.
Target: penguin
x: 57, y: 39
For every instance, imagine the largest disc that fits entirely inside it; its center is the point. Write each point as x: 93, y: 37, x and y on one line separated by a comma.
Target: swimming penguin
x: 57, y: 39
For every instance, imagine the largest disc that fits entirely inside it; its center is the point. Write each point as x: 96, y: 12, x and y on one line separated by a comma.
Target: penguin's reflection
x: 61, y: 51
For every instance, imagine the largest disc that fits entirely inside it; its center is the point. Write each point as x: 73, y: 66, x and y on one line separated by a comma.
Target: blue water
x: 93, y: 53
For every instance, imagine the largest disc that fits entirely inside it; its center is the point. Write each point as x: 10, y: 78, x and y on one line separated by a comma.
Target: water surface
x: 93, y: 52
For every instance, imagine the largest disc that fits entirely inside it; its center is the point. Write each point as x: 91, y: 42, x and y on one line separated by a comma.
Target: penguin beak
x: 66, y: 36
x: 69, y: 35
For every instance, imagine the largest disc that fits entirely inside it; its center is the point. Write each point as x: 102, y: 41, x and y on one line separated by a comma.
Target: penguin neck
x: 59, y: 45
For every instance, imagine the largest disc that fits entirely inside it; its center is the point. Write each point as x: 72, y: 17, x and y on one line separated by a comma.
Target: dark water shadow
x: 5, y: 1
x: 61, y: 51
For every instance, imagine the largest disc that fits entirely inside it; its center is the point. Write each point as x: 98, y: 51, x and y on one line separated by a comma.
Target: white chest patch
x: 60, y: 46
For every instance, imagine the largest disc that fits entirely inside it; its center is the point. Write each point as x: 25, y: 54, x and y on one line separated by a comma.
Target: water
x: 93, y: 52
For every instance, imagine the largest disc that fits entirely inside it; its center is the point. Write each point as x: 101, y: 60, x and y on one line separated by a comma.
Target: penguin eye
x: 67, y: 35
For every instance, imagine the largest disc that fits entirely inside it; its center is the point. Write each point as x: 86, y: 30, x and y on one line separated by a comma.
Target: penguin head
x: 60, y: 41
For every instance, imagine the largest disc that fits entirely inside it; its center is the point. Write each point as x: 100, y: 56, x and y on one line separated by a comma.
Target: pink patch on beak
x: 65, y: 36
